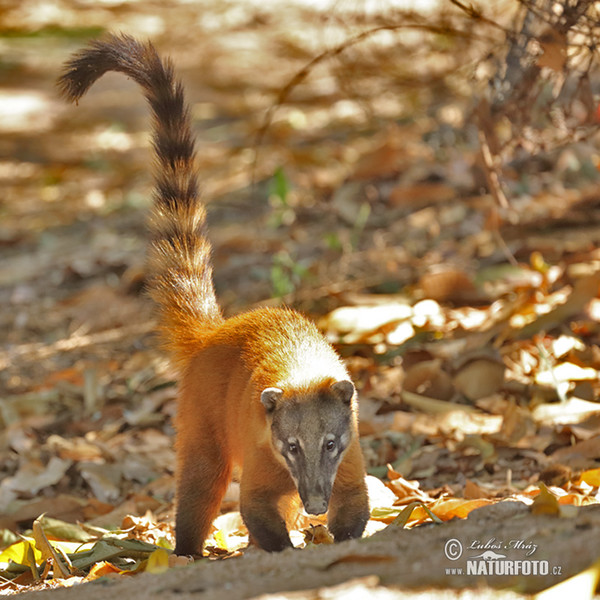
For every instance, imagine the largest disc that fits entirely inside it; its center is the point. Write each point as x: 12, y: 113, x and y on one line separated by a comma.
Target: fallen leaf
x: 418, y: 195
x: 318, y: 534
x: 566, y: 372
x: 583, y: 291
x: 158, y: 561
x: 591, y: 477
x: 556, y: 475
x: 586, y: 450
x: 545, y: 503
x: 554, y: 45
x: 404, y: 517
x: 472, y: 491
x: 59, y: 569
x: 428, y: 379
x: 19, y: 552
x: 433, y: 405
x: 102, y: 569
x: 447, y: 285
x: 569, y: 412
x: 479, y: 378
x: 104, y: 479
x: 34, y: 476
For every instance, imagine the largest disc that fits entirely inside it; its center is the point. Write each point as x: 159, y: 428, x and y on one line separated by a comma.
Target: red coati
x: 263, y: 390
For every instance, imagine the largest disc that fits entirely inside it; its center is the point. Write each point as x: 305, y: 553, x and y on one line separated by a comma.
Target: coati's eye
x: 292, y: 447
x: 330, y: 445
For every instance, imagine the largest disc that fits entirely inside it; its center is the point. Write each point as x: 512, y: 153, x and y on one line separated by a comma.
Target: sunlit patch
x: 21, y: 111
x: 593, y: 309
x: 110, y: 139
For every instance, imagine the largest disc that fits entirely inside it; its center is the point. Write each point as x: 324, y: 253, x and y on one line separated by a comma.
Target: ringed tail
x: 180, y: 254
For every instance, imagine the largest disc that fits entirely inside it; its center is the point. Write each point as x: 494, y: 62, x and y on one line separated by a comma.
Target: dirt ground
x: 393, y: 563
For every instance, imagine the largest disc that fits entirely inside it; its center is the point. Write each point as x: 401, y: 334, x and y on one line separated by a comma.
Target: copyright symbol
x: 453, y: 549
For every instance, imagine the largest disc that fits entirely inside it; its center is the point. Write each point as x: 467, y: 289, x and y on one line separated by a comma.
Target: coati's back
x: 263, y: 388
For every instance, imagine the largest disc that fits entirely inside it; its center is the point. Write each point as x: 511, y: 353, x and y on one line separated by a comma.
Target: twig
x: 296, y: 79
x: 492, y: 177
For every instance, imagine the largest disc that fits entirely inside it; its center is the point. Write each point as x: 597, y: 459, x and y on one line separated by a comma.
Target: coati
x: 262, y: 390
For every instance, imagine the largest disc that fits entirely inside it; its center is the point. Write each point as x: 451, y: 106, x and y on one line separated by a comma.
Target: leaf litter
x: 470, y: 322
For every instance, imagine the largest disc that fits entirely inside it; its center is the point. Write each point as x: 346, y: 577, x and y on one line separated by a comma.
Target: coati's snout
x: 311, y: 432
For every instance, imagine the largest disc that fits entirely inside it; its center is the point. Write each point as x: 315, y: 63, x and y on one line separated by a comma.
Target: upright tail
x: 181, y: 279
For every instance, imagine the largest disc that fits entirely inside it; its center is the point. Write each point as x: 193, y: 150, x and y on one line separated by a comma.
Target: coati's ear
x: 269, y: 398
x: 343, y: 390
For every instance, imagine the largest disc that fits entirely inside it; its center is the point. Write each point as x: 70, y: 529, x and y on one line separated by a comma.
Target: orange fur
x: 222, y: 421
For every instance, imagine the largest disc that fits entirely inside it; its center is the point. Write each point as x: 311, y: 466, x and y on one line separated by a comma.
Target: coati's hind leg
x: 265, y: 483
x: 202, y: 480
x: 349, y: 504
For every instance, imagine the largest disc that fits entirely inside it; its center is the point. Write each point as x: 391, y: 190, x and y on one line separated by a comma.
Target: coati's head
x: 311, y: 430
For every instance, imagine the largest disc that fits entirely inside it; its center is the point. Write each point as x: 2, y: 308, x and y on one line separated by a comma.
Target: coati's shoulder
x: 285, y: 347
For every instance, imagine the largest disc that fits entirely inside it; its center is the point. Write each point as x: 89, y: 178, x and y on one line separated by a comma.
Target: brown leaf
x: 557, y: 475
x: 447, y: 285
x: 516, y: 423
x: 554, y: 50
x: 384, y: 160
x: 580, y: 453
x: 591, y: 477
x: 449, y: 508
x: 421, y: 194
x: 59, y: 570
x: 479, y: 378
x: 318, y: 534
x: 428, y: 379
x: 63, y: 506
x: 34, y: 476
x: 584, y: 290
x: 473, y: 491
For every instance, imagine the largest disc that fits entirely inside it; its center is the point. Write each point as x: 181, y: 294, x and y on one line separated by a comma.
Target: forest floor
x: 462, y: 291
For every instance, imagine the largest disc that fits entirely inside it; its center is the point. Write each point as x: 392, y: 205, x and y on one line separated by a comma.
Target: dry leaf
x: 417, y: 195
x: 479, y: 378
x: 318, y: 534
x: 104, y: 479
x: 447, y: 285
x: 428, y: 379
x: 33, y: 476
x: 449, y: 508
x: 59, y: 570
x: 158, y: 561
x: 566, y: 372
x: 472, y: 491
x: 554, y: 50
x: 102, y: 569
x: 384, y: 160
x: 556, y: 475
x: 586, y: 450
x: 591, y: 477
x: 545, y: 503
x: 583, y: 585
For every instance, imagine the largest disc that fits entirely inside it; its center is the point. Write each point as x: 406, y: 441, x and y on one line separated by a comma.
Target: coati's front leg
x: 264, y: 485
x: 202, y: 479
x: 349, y: 504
